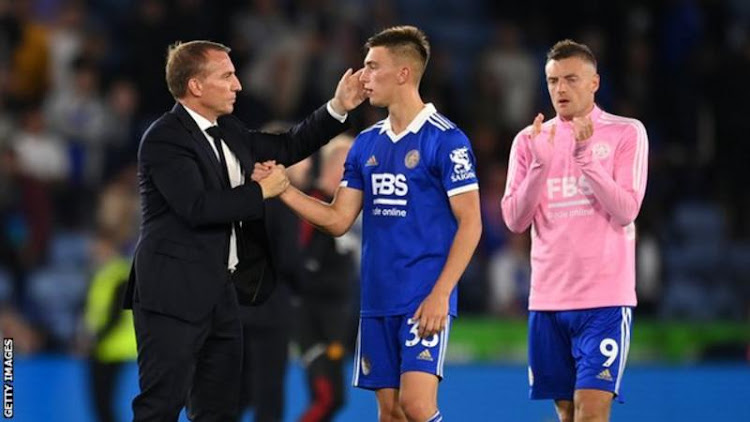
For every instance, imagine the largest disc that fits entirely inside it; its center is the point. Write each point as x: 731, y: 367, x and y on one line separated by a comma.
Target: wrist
x: 338, y: 106
x: 284, y: 196
x: 441, y: 291
x: 263, y: 191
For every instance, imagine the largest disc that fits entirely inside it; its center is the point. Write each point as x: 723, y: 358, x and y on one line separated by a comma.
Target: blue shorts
x: 581, y: 349
x: 389, y: 346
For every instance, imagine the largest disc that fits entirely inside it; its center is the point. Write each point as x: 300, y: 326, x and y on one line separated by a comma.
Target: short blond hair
x: 404, y: 40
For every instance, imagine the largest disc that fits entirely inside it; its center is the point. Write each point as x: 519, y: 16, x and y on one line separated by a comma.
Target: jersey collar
x: 416, y: 123
x: 593, y: 115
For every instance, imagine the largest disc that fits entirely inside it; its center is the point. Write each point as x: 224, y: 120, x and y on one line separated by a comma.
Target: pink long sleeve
x: 524, y: 185
x: 621, y: 196
x: 581, y: 206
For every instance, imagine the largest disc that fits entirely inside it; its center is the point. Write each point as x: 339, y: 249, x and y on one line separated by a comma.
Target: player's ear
x: 195, y: 87
x: 595, y: 83
x: 403, y: 75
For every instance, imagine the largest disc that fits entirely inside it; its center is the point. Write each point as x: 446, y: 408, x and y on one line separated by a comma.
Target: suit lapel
x: 197, y: 135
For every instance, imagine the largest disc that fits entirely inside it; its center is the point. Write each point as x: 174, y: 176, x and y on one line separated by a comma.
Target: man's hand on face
x: 350, y: 92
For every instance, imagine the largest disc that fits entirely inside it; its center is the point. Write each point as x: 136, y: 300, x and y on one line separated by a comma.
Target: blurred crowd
x: 81, y: 80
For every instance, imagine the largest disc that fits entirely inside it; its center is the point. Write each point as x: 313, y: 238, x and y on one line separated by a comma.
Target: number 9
x: 609, y: 349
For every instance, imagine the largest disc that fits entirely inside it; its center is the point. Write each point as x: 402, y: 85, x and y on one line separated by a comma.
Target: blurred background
x: 81, y: 80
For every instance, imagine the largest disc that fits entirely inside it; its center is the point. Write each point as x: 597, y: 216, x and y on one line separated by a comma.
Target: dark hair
x: 404, y: 40
x: 568, y: 48
x: 186, y: 60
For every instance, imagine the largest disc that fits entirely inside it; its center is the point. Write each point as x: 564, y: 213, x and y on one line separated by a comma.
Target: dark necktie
x: 215, y: 133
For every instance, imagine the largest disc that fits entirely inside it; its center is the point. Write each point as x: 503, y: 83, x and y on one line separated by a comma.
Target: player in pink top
x: 578, y: 180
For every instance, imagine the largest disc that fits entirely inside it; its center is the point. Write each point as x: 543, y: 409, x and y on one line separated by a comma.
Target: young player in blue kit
x: 413, y: 175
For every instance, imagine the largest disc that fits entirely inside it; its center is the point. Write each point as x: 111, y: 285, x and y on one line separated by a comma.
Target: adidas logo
x: 425, y: 355
x: 605, y: 375
x: 372, y: 161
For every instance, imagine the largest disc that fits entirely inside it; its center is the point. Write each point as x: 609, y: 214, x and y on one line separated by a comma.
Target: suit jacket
x: 180, y: 265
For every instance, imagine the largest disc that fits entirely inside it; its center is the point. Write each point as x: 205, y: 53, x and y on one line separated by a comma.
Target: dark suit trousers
x: 194, y: 364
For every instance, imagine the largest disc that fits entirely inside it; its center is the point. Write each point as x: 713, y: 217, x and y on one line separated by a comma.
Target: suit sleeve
x: 524, y: 186
x: 300, y: 141
x: 174, y: 170
x: 621, y: 193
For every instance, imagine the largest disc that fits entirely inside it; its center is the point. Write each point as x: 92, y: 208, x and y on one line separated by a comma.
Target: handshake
x: 271, y: 177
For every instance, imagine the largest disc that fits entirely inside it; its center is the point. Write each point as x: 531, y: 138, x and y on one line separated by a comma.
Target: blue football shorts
x: 389, y: 346
x: 580, y: 349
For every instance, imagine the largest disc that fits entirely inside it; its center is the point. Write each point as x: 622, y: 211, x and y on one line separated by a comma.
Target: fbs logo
x: 605, y: 375
x: 425, y: 355
x: 372, y: 161
x: 389, y: 184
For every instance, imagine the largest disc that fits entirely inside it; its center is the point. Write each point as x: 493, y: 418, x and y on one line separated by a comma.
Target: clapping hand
x: 541, y: 149
x: 583, y: 129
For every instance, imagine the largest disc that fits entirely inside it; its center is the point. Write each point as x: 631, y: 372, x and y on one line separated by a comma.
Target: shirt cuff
x: 340, y: 117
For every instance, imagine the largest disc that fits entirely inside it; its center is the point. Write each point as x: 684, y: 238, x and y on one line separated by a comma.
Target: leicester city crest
x: 366, y: 366
x: 412, y: 159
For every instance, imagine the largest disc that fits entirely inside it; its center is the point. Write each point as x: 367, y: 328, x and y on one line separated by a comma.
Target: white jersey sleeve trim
x: 463, y: 189
x: 345, y: 184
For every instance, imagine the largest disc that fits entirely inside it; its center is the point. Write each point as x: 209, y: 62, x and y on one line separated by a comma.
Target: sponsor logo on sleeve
x: 462, y: 167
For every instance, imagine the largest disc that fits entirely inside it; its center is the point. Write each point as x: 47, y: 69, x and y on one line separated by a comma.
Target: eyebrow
x: 569, y: 75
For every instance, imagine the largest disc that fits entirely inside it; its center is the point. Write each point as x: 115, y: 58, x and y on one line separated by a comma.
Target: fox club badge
x: 412, y: 159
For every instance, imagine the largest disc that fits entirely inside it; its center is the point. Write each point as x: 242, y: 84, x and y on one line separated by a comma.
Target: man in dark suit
x: 202, y: 220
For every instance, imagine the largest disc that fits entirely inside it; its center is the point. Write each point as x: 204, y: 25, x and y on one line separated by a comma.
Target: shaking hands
x: 271, y: 177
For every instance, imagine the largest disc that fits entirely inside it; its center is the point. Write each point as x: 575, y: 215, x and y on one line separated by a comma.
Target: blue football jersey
x: 408, y: 225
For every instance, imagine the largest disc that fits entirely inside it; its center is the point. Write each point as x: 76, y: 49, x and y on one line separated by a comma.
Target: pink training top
x: 581, y: 205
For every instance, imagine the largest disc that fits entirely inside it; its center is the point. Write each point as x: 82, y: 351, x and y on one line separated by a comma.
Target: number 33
x: 426, y: 343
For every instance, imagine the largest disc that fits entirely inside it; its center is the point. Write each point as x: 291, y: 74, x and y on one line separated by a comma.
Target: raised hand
x: 275, y: 182
x: 350, y: 92
x: 583, y: 129
x: 541, y: 149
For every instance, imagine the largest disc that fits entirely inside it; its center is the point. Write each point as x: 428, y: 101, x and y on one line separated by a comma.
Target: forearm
x: 520, y: 203
x: 182, y: 186
x: 622, y: 204
x: 318, y: 213
x: 301, y: 140
x: 464, y: 243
